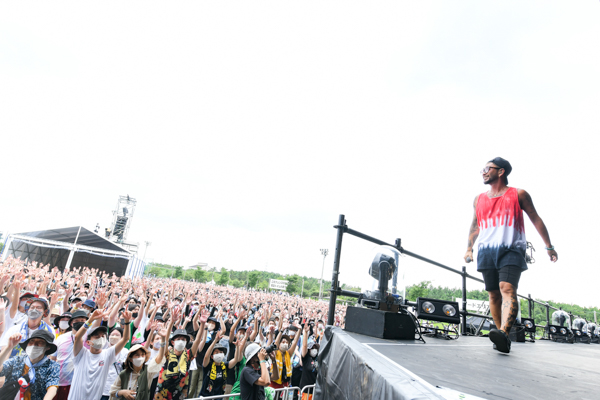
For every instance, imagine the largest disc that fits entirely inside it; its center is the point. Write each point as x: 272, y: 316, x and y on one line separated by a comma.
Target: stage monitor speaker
x: 517, y: 333
x: 380, y: 324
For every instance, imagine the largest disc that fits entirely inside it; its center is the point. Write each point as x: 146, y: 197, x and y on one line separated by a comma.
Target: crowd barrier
x: 288, y: 393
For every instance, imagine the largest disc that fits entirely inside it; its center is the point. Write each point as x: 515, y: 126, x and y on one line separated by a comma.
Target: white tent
x: 73, y: 247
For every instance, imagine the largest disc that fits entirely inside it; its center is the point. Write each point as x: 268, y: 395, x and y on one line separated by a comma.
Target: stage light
x: 529, y: 324
x: 581, y: 335
x: 438, y: 310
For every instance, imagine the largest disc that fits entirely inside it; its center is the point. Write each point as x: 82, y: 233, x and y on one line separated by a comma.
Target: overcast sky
x: 244, y: 129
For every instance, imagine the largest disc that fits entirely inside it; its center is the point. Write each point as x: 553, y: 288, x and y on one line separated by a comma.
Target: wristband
x: 86, y: 326
x: 163, y: 344
x: 263, y: 361
x: 550, y: 248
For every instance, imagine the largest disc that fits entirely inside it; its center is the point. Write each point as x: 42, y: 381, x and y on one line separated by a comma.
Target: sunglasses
x: 487, y: 168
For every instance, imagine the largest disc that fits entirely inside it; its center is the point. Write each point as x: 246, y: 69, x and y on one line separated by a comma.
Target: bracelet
x: 263, y: 361
x: 550, y: 248
x: 86, y: 326
x: 163, y: 344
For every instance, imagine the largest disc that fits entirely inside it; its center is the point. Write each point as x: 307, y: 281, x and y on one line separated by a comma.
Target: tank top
x: 501, y: 231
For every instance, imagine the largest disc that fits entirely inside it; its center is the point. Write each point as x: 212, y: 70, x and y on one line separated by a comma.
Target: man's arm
x: 527, y: 205
x: 121, y: 343
x: 50, y: 393
x: 473, y: 233
x: 264, y: 379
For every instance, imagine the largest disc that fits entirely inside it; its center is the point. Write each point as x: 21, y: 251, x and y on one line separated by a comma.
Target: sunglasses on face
x: 487, y: 168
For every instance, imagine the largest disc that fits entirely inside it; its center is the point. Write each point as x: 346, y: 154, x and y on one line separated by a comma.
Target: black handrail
x: 336, y: 290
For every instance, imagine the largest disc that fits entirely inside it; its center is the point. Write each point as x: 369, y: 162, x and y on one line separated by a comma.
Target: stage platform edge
x: 349, y: 370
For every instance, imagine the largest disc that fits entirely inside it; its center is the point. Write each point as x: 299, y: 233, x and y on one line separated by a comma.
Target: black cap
x: 505, y: 165
x: 41, y: 334
x: 78, y: 314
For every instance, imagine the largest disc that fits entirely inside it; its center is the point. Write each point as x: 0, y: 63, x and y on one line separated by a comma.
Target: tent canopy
x: 75, y: 246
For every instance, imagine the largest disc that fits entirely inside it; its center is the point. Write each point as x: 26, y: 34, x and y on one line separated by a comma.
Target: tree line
x: 297, y: 285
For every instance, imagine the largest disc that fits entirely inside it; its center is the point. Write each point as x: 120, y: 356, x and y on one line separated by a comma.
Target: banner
x: 277, y: 284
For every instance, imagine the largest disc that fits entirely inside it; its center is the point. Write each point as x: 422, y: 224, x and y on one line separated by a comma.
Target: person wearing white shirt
x: 92, y: 366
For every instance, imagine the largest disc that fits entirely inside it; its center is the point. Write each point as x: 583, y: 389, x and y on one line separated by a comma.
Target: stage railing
x: 336, y: 290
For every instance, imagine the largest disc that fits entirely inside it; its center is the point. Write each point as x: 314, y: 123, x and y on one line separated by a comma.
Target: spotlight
x: 580, y: 331
x: 438, y: 310
x: 560, y: 330
x: 529, y: 324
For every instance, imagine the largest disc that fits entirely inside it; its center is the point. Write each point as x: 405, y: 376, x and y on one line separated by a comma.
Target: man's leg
x: 496, y: 307
x: 510, y: 306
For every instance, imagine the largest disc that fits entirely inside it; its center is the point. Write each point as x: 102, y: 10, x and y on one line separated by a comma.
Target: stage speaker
x: 517, y: 333
x: 380, y: 324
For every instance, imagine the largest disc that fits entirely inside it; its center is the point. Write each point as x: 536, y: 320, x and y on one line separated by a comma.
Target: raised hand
x: 14, y: 340
x: 126, y: 315
x: 204, y: 316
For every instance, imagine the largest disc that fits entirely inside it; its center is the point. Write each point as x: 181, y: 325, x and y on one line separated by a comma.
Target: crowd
x: 83, y: 334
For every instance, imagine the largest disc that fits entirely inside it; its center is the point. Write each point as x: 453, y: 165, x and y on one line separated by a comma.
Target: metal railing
x: 336, y: 290
x: 287, y: 393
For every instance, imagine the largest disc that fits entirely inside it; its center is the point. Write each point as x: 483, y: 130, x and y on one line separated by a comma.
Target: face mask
x: 138, y: 361
x: 219, y: 358
x: 314, y: 353
x: 134, y: 315
x: 64, y: 325
x: 34, y: 352
x: 179, y: 345
x: 284, y: 347
x: 34, y: 314
x: 77, y: 325
x: 99, y: 343
x: 211, y: 327
x: 22, y: 303
x: 195, y: 308
x: 87, y: 312
x: 83, y: 299
x: 114, y: 340
x: 277, y: 314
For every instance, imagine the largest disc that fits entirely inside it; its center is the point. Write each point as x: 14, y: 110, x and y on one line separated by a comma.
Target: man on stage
x: 498, y: 223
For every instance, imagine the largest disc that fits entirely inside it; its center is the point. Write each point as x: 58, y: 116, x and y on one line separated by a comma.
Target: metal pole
x: 530, y: 306
x: 324, y: 252
x: 463, y: 326
x: 395, y: 277
x: 341, y: 226
x: 547, y: 320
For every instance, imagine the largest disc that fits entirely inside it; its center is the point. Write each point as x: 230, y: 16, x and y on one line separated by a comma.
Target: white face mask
x: 34, y: 352
x: 314, y: 353
x: 211, y: 327
x: 22, y: 303
x: 99, y: 343
x: 284, y: 347
x: 138, y: 361
x: 114, y: 340
x: 63, y: 325
x: 179, y: 345
x: 219, y: 358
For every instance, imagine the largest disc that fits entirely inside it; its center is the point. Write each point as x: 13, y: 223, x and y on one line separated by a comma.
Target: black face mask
x: 134, y: 315
x: 122, y: 322
x: 77, y: 325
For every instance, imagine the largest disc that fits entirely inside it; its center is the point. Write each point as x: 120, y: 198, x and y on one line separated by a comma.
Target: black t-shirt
x: 232, y: 377
x: 248, y: 389
x: 309, y: 370
x: 216, y: 387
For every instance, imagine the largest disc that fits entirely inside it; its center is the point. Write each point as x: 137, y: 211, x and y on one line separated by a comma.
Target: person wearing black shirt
x: 255, y: 375
x: 310, y: 352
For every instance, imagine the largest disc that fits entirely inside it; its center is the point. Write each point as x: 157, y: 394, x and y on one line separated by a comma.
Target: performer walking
x: 499, y: 226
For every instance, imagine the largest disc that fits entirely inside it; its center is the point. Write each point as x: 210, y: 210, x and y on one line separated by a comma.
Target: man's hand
x: 553, y: 255
x: 14, y: 340
x: 98, y: 314
x: 126, y: 315
x: 262, y: 354
x: 469, y: 256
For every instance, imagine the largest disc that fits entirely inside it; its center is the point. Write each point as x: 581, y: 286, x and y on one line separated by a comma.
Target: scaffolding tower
x: 119, y: 228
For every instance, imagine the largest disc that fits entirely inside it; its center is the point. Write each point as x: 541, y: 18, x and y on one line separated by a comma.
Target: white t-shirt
x: 91, y: 372
x: 114, y: 371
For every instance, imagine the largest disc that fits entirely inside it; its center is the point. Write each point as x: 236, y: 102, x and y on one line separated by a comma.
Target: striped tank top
x: 501, y: 231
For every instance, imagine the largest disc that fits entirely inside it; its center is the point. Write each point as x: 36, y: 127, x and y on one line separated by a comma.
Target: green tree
x: 224, y: 278
x: 253, y: 278
x: 419, y: 290
x: 178, y: 272
x: 200, y: 275
x: 237, y: 283
x: 292, y: 286
x: 154, y: 271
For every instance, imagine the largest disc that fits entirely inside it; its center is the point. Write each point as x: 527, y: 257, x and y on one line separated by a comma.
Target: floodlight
x: 529, y: 324
x: 438, y: 310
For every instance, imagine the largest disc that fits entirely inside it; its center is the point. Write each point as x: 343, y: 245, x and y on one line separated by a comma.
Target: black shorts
x: 492, y: 277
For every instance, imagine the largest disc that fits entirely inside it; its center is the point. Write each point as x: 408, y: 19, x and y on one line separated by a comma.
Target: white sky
x: 244, y: 129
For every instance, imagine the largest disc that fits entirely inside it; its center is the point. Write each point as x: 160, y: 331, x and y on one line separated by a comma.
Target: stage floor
x: 541, y: 370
